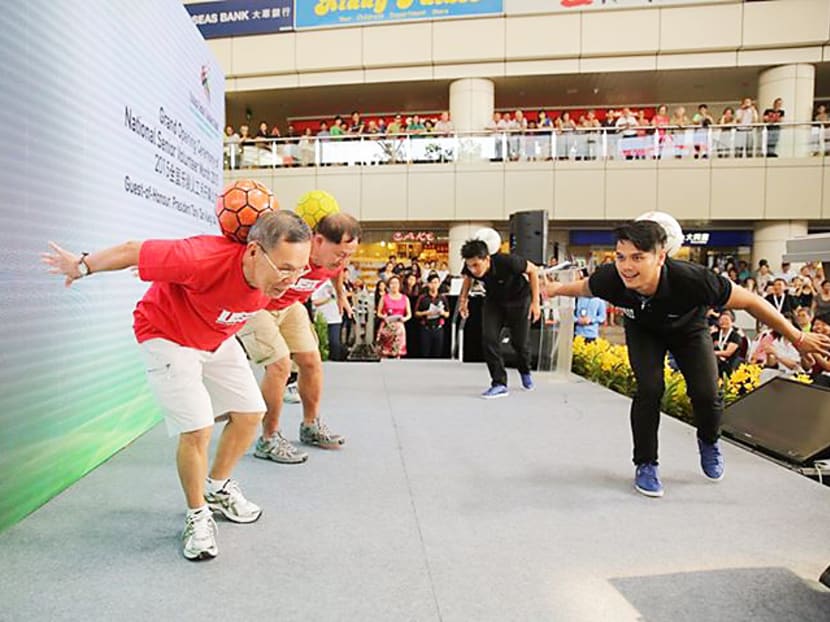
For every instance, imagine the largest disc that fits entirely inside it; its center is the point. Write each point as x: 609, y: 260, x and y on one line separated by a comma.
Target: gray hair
x: 271, y: 228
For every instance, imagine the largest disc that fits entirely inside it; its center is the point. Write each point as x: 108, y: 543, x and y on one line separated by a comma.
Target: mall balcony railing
x: 800, y: 140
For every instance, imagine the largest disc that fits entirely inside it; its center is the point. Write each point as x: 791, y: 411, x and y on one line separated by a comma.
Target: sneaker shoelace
x: 282, y: 447
x: 323, y: 429
x: 235, y: 497
x: 200, y: 527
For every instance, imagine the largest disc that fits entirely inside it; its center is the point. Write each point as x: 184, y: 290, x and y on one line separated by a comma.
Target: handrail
x: 547, y: 143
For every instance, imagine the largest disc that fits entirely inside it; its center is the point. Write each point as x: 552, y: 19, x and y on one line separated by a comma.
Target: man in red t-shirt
x: 272, y: 337
x: 203, y: 290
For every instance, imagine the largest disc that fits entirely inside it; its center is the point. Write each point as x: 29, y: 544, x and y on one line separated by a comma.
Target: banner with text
x: 118, y: 136
x: 230, y: 18
x: 518, y: 7
x: 326, y: 13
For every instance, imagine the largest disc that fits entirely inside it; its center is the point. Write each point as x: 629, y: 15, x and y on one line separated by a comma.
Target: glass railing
x: 790, y: 140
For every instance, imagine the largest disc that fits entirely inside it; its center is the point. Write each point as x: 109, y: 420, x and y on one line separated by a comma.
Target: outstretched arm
x: 61, y: 261
x: 805, y: 343
x: 573, y: 289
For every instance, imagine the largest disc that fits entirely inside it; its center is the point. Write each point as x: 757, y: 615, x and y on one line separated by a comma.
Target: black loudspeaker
x: 784, y: 418
x: 529, y: 235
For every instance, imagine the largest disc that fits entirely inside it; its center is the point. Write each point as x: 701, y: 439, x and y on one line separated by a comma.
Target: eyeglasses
x: 281, y: 273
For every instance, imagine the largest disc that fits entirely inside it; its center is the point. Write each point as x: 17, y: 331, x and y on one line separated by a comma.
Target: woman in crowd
x: 803, y: 292
x: 727, y: 343
x: 821, y: 301
x: 387, y: 271
x: 412, y: 290
x: 725, y: 137
x: 394, y: 310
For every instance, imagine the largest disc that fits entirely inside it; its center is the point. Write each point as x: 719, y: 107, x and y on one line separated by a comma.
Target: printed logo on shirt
x: 229, y: 317
x: 306, y: 285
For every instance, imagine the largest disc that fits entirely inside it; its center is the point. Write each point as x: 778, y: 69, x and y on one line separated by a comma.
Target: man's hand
x: 463, y: 309
x: 809, y: 343
x: 61, y: 261
x: 535, y: 311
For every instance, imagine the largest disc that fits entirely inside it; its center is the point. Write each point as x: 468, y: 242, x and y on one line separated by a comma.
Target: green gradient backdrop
x: 72, y: 388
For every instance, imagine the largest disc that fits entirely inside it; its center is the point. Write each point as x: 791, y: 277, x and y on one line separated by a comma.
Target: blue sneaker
x: 647, y: 480
x: 711, y: 460
x: 527, y: 382
x: 497, y: 390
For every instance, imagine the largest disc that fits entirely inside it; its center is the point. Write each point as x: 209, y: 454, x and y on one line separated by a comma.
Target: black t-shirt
x: 783, y: 303
x: 732, y: 337
x: 423, y: 304
x: 685, y: 292
x: 505, y: 281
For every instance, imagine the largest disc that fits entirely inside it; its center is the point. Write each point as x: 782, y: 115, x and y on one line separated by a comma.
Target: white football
x: 674, y: 233
x: 490, y: 237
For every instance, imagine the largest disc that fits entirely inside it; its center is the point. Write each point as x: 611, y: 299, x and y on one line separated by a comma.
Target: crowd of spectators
x: 803, y: 297
x: 645, y: 133
x: 413, y: 311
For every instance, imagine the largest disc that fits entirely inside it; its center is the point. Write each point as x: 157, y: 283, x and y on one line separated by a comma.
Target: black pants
x: 335, y: 347
x: 696, y: 359
x: 431, y: 341
x: 495, y: 316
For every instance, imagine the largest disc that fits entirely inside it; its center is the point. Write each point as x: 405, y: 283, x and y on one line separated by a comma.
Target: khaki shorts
x: 195, y: 388
x: 270, y: 336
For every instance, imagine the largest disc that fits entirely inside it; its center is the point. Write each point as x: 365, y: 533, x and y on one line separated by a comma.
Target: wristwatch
x: 83, y: 268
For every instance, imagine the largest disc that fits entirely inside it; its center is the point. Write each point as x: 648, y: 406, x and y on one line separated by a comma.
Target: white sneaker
x: 278, y: 449
x: 291, y: 395
x: 230, y: 502
x: 199, y: 536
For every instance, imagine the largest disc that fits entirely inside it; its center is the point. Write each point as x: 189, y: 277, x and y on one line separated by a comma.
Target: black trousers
x: 696, y: 359
x: 495, y: 316
x: 431, y: 341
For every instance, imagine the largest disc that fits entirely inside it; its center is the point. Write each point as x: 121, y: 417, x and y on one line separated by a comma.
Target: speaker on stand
x: 529, y: 235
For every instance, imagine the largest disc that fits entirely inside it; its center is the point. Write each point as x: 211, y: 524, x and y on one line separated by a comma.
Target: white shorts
x: 195, y: 388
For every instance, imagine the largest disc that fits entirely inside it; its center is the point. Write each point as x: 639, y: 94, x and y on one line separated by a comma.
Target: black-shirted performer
x: 664, y: 302
x: 512, y: 286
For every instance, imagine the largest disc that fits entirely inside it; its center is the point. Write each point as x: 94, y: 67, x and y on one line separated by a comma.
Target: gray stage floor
x: 441, y: 507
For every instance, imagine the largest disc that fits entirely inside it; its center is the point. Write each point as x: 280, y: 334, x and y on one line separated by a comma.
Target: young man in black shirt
x: 431, y: 312
x: 664, y: 302
x: 512, y: 285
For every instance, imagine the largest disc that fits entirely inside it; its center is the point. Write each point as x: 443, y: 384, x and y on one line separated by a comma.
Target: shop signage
x: 715, y: 239
x: 588, y: 5
x: 413, y: 236
x: 324, y: 13
x: 229, y: 18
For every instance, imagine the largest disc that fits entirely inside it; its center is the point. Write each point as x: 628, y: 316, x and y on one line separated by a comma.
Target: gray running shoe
x: 291, y: 395
x: 319, y: 435
x: 278, y: 449
x: 199, y: 537
x: 232, y: 504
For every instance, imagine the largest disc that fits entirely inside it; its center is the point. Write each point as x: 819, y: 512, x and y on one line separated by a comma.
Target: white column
x: 795, y: 84
x: 471, y: 104
x: 769, y: 241
x: 459, y: 234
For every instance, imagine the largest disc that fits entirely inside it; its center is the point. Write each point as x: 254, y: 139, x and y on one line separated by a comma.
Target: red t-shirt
x: 199, y: 296
x: 303, y: 288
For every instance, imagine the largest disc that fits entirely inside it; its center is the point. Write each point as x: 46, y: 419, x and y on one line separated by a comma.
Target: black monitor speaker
x: 784, y: 418
x: 529, y: 235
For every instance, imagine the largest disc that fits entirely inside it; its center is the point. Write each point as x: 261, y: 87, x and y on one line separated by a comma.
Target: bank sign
x: 325, y: 13
x: 229, y: 18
